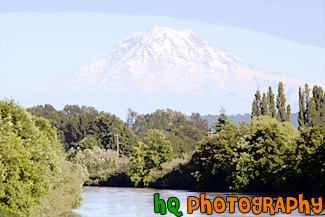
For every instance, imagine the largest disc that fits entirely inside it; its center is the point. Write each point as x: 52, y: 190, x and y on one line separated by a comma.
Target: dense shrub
x: 35, y: 179
x: 101, y: 164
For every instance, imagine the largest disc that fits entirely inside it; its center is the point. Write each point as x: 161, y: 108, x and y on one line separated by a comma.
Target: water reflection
x: 134, y: 202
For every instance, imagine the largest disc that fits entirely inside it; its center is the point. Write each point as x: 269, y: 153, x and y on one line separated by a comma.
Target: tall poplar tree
x: 311, y: 109
x: 264, y: 109
x: 302, y: 108
x: 288, y: 111
x: 307, y: 90
x: 256, y: 106
x: 281, y: 103
x: 271, y: 103
x: 316, y: 110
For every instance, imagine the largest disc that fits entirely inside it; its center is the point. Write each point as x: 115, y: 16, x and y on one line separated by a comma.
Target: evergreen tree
x: 264, y: 109
x: 256, y: 106
x: 223, y: 121
x: 271, y: 102
x: 281, y: 103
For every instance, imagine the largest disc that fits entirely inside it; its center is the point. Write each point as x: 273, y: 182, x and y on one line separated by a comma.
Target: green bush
x: 35, y: 179
x: 100, y: 164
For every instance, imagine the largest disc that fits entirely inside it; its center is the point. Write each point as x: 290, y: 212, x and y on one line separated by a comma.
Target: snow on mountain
x: 166, y: 61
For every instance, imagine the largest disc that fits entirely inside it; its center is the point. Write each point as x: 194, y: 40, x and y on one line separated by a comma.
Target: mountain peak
x: 165, y: 36
x: 162, y: 43
x: 162, y: 60
x: 158, y: 30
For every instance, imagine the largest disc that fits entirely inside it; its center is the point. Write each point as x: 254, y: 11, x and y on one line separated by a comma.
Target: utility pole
x: 117, y: 144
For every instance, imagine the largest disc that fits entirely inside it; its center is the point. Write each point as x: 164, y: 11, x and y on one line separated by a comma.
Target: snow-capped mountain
x: 166, y: 61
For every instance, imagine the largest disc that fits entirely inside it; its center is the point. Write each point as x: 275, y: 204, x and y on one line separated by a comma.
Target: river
x: 138, y: 202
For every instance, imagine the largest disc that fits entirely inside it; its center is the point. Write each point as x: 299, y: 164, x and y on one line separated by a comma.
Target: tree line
x: 263, y: 155
x: 53, y: 152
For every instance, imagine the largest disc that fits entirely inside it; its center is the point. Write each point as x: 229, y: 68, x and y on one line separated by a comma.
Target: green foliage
x: 168, y: 166
x: 83, y: 127
x: 257, y: 104
x: 175, y: 174
x: 271, y: 103
x: 214, y: 156
x: 100, y: 164
x: 73, y: 122
x: 149, y: 155
x: 166, y: 121
x: 309, y: 176
x: 288, y: 111
x: 106, y: 126
x: 302, y: 119
x: 268, y: 155
x: 282, y: 114
x: 182, y: 133
x: 198, y: 122
x: 184, y: 139
x: 160, y: 120
x: 316, y: 108
x: 264, y: 108
x: 32, y: 164
x: 223, y: 121
x: 265, y: 149
x: 311, y: 109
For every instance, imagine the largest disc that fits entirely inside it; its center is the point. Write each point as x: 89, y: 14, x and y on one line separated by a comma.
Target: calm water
x: 133, y: 202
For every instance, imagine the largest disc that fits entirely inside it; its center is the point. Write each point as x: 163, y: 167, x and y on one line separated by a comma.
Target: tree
x: 198, y: 122
x: 271, y: 102
x: 101, y: 164
x: 73, y: 122
x: 139, y: 173
x: 263, y: 155
x: 311, y: 109
x: 184, y: 139
x: 35, y: 178
x: 281, y: 103
x: 223, y: 121
x: 160, y: 120
x: 213, y: 158
x: 264, y: 108
x: 149, y: 155
x: 302, y: 119
x: 106, y: 126
x: 309, y: 164
x: 316, y: 108
x: 132, y: 115
x: 307, y: 94
x: 288, y: 112
x: 257, y: 103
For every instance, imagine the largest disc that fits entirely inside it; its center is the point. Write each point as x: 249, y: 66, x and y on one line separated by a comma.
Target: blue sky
x: 41, y: 40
